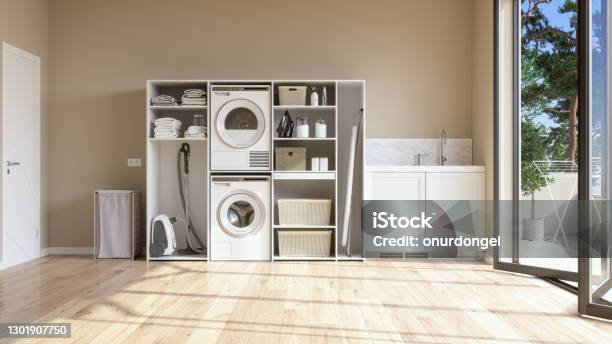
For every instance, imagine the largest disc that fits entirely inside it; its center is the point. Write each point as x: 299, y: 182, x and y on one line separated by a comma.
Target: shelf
x: 304, y: 138
x: 177, y: 257
x: 178, y: 139
x: 331, y: 259
x: 178, y: 108
x: 305, y: 175
x: 304, y: 227
x: 305, y: 107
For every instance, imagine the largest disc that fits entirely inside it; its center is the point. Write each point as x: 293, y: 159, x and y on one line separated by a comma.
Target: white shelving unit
x: 339, y: 116
x: 345, y: 99
x: 162, y: 179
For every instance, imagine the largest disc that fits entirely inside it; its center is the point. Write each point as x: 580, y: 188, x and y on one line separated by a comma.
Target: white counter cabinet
x: 394, y: 186
x: 425, y: 183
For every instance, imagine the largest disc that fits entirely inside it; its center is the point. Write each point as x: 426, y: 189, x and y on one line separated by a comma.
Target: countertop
x: 425, y: 168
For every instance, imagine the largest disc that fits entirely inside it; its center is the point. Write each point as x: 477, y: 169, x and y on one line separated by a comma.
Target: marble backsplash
x: 396, y: 152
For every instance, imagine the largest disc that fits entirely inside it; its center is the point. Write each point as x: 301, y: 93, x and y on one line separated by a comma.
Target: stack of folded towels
x: 195, y: 131
x: 194, y: 97
x: 167, y: 127
x: 164, y: 100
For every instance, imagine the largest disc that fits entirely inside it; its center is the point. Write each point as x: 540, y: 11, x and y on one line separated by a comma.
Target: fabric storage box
x: 292, y: 95
x: 118, y: 224
x: 300, y: 243
x: 290, y: 158
x: 313, y: 212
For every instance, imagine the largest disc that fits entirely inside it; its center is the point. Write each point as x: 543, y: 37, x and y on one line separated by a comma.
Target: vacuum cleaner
x: 163, y: 235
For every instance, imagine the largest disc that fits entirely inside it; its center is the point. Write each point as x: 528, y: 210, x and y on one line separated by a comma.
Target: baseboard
x: 67, y: 251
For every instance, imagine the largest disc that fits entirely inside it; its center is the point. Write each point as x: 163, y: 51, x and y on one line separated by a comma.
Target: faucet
x: 443, y: 158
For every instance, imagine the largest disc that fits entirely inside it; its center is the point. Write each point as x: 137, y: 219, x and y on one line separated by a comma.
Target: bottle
x: 320, y: 128
x: 324, y: 96
x: 302, y: 127
x: 314, y: 97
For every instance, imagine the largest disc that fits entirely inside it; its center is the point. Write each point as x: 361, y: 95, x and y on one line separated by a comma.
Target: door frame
x: 35, y: 59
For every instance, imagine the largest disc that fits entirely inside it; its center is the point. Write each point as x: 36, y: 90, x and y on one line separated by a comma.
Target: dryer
x: 240, y: 218
x: 240, y: 133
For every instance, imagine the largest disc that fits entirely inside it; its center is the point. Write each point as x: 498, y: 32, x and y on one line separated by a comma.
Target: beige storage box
x: 292, y: 95
x: 300, y: 243
x: 290, y: 158
x: 311, y: 212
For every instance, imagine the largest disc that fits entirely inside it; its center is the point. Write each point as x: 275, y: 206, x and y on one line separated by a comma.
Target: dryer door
x: 240, y: 123
x: 241, y: 214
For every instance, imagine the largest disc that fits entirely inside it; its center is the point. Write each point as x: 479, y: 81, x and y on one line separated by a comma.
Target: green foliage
x: 549, y: 70
x: 549, y: 85
x: 533, y: 148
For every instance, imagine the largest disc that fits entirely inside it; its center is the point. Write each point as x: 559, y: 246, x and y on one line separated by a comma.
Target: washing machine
x: 240, y: 218
x: 240, y: 133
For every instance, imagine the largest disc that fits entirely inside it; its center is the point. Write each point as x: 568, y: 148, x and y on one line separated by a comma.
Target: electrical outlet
x: 134, y: 162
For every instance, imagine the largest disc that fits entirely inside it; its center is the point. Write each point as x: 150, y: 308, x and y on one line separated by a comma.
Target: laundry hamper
x: 304, y: 243
x: 117, y: 224
x: 313, y: 212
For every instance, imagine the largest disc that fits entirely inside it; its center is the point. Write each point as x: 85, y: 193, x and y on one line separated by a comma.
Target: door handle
x: 12, y: 163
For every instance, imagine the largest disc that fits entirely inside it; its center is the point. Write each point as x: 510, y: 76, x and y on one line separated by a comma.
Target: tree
x: 550, y: 52
x: 533, y: 148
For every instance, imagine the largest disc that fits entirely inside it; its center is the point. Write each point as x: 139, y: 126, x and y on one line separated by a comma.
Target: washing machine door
x: 241, y: 214
x: 240, y: 123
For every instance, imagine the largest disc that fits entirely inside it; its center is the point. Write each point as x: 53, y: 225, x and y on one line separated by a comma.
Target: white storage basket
x: 292, y: 95
x: 299, y: 243
x: 313, y: 212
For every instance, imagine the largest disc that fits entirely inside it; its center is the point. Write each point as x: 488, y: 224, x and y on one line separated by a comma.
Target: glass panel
x: 548, y: 166
x: 600, y: 153
x: 241, y: 118
x: 241, y: 214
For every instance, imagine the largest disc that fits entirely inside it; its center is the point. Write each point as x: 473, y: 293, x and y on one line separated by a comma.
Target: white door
x: 240, y: 123
x: 21, y: 156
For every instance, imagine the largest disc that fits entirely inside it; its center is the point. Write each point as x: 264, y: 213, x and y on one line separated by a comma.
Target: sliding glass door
x: 555, y: 92
x: 595, y: 295
x: 541, y: 229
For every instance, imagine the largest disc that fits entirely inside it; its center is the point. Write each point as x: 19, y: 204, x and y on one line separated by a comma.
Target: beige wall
x: 482, y: 88
x: 483, y: 92
x: 415, y: 55
x: 24, y: 24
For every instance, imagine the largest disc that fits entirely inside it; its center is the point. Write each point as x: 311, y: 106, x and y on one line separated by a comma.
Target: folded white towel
x: 194, y: 101
x: 168, y: 121
x: 161, y: 130
x: 196, y: 129
x: 195, y: 135
x: 164, y: 100
x: 194, y: 92
x: 166, y: 136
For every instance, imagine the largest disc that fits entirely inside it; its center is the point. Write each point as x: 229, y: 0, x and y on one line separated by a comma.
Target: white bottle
x: 303, y: 128
x: 314, y: 97
x: 315, y: 164
x: 323, y: 164
x: 320, y: 128
x: 324, y: 96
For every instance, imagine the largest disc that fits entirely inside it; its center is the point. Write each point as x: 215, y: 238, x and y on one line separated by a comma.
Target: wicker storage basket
x: 314, y: 212
x: 292, y: 95
x: 290, y: 158
x: 299, y: 243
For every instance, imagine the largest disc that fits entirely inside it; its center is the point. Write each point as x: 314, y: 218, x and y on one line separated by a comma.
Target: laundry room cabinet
x: 163, y: 194
x: 345, y: 108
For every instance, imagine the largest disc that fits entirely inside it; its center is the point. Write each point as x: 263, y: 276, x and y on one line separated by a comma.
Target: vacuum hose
x: 185, y: 152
